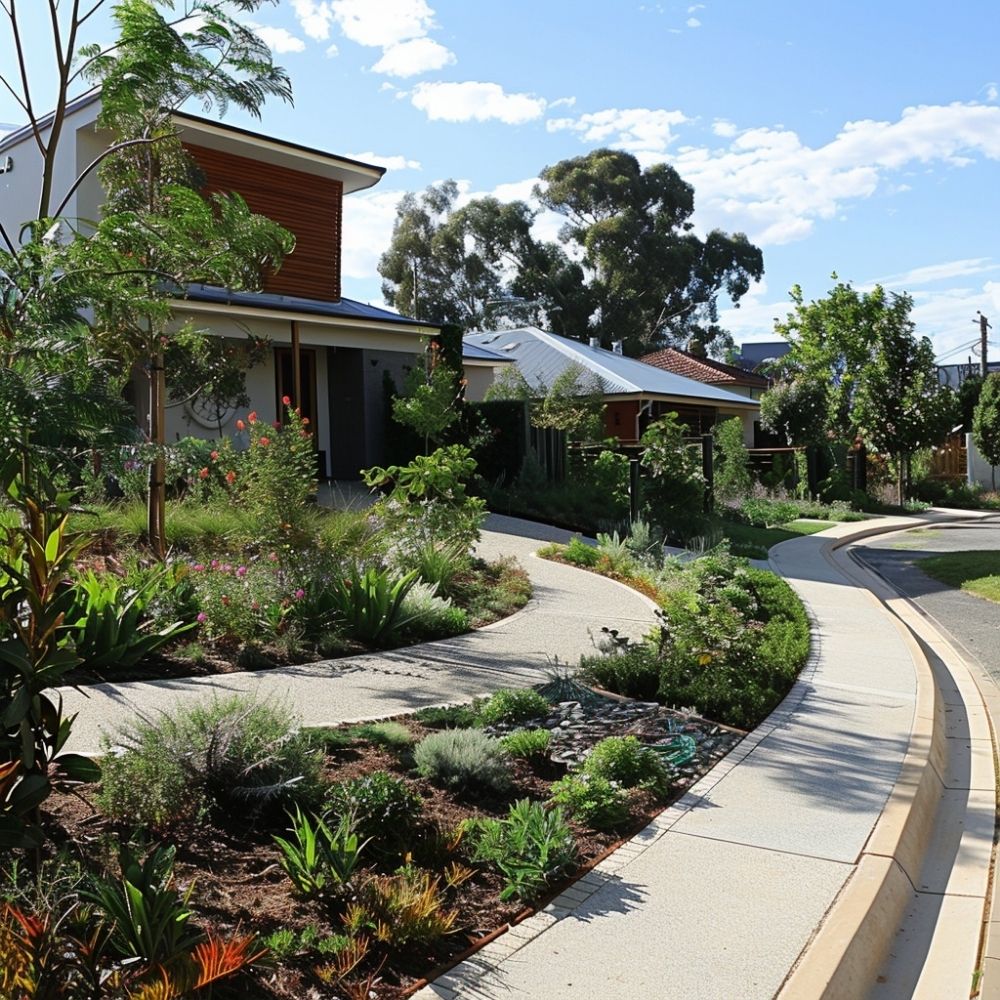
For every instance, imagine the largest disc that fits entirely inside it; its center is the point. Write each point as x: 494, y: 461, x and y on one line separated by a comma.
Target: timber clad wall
x: 306, y: 205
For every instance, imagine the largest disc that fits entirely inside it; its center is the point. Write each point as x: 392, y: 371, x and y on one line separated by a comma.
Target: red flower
x: 286, y: 400
x: 240, y: 425
x: 252, y: 416
x: 214, y: 456
x: 264, y: 442
x: 276, y: 424
x: 203, y: 474
x: 305, y: 421
x: 230, y: 477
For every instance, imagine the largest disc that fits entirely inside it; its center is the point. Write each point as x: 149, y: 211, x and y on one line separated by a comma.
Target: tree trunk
x: 899, y: 480
x: 156, y: 504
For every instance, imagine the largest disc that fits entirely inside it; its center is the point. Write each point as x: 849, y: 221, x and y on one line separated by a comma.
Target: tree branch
x: 23, y: 70
x: 96, y: 162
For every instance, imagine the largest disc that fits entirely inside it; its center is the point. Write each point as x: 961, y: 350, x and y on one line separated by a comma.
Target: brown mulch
x: 240, y: 884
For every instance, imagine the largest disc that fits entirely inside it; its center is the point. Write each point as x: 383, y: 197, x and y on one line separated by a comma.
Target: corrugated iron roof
x: 476, y: 352
x: 543, y: 356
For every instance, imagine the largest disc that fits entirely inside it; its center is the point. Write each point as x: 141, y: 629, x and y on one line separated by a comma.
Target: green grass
x: 974, y: 572
x: 747, y: 540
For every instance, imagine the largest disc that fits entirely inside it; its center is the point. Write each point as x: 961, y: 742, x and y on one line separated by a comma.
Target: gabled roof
x: 343, y: 308
x: 543, y: 356
x: 354, y: 174
x: 672, y: 359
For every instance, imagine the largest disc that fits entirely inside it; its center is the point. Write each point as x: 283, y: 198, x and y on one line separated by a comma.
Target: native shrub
x: 592, y: 799
x: 629, y: 763
x: 509, y: 706
x: 530, y: 847
x: 463, y: 759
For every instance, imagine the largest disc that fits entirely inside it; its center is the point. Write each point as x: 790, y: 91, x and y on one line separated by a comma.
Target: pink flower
x: 215, y: 564
x: 240, y: 425
x: 241, y: 571
x: 255, y: 605
x: 198, y: 568
x: 202, y: 617
x: 286, y: 400
x: 276, y: 424
x: 252, y: 417
x: 203, y: 474
x: 214, y: 456
x: 273, y: 556
x: 230, y: 477
x: 299, y: 594
x: 264, y: 442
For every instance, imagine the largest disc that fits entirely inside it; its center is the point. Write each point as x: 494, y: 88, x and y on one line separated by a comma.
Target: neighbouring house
x: 704, y: 369
x: 337, y: 349
x: 635, y: 394
x: 480, y: 367
x: 762, y: 352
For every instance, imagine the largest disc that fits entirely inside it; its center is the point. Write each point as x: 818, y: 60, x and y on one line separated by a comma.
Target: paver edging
x: 852, y: 943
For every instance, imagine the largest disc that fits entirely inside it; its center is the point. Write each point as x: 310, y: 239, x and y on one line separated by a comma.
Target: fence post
x: 708, y: 470
x: 634, y: 500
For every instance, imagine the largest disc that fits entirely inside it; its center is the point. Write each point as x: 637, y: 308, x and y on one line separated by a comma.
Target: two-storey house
x: 328, y: 353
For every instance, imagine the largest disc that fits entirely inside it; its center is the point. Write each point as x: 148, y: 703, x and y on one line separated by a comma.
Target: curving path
x: 765, y: 866
x: 566, y: 609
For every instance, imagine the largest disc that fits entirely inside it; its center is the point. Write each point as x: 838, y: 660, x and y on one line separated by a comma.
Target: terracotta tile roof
x: 672, y: 359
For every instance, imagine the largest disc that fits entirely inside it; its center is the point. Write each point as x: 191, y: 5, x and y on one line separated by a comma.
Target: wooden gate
x: 948, y: 460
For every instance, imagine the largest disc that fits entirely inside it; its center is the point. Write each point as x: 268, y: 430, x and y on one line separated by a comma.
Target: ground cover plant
x: 974, y: 572
x: 353, y: 875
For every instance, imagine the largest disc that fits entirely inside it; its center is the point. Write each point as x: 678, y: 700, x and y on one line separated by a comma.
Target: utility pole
x: 983, y: 327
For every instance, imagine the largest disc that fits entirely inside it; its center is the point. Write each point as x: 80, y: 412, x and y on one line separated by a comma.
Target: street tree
x: 986, y: 424
x: 833, y: 339
x: 900, y: 405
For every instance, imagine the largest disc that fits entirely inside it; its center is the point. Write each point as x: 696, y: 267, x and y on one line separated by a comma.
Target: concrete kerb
x: 853, y: 943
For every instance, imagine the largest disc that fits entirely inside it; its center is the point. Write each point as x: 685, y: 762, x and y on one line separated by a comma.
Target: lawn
x: 974, y: 572
x: 753, y: 542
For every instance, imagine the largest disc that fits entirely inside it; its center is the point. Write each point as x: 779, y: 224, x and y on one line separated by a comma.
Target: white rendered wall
x: 979, y: 470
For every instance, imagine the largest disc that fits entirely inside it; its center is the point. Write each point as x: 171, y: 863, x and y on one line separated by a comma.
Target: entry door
x: 285, y: 383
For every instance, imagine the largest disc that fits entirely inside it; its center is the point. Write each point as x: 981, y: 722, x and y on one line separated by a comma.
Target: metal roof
x: 543, y: 356
x: 476, y: 352
x: 344, y: 308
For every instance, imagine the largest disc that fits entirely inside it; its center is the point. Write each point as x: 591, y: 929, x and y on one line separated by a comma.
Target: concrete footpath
x: 751, y: 875
x: 567, y: 609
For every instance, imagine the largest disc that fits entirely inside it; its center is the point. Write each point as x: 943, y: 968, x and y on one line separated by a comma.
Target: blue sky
x: 861, y: 138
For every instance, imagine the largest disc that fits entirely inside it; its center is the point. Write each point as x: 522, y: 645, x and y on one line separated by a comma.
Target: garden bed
x: 235, y: 865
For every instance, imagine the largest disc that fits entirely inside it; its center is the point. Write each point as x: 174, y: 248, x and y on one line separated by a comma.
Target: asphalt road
x: 972, y: 621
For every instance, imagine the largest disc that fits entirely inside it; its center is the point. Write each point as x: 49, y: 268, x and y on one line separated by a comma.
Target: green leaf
x: 78, y: 768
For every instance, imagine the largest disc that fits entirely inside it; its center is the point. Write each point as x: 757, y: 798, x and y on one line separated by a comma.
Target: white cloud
x: 382, y: 23
x: 314, y: 17
x: 331, y: 51
x: 725, y: 129
x: 695, y: 7
x: 279, y: 40
x: 368, y: 221
x: 931, y: 273
x: 475, y: 101
x: 389, y: 162
x: 693, y: 22
x: 635, y: 129
x: 768, y: 183
x: 418, y: 55
x: 562, y: 102
x: 992, y: 91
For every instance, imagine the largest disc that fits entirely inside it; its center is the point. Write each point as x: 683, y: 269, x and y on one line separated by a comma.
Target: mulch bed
x: 240, y: 884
